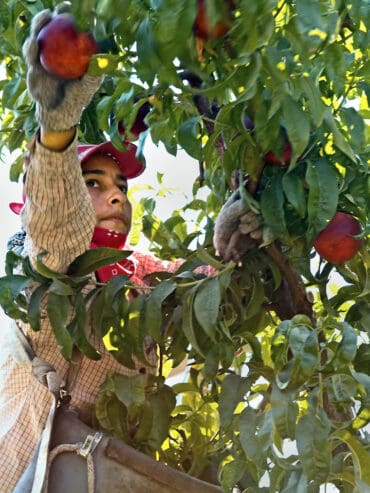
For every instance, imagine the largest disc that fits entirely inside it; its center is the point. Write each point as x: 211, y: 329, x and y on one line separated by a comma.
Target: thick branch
x: 293, y: 298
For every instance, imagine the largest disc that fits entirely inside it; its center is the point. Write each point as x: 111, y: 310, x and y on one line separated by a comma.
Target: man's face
x: 108, y: 190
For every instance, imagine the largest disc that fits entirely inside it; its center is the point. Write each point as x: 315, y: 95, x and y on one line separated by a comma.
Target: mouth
x: 117, y: 223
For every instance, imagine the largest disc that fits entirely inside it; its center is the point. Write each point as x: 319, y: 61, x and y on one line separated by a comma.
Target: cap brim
x: 16, y: 207
x: 129, y: 164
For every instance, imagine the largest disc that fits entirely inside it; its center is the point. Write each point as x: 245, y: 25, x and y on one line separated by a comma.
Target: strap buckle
x: 90, y: 444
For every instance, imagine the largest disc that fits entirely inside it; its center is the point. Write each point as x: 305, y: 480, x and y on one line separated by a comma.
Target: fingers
x: 87, y: 85
x: 230, y: 251
x: 30, y: 46
x: 237, y: 230
x: 250, y: 224
x: 39, y: 21
x: 238, y: 246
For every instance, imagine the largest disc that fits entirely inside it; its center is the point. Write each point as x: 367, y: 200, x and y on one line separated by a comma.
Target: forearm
x: 58, y: 217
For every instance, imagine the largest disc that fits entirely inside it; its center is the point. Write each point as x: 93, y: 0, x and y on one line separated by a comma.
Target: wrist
x: 57, y: 140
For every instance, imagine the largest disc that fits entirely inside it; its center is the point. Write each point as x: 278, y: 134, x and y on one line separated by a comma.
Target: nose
x: 117, y: 196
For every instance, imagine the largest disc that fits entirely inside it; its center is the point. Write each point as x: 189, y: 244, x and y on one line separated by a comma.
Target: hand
x: 237, y: 229
x: 59, y: 103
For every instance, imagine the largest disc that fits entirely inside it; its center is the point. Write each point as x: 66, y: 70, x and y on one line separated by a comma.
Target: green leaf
x: 188, y: 326
x: 12, y: 90
x: 232, y: 472
x: 233, y: 390
x: 297, y: 125
x: 250, y: 423
x: 309, y: 15
x: 12, y: 285
x: 153, y: 307
x: 60, y: 288
x: 11, y: 299
x: 130, y: 390
x: 102, y: 64
x: 344, y: 388
x: 147, y: 50
x: 58, y: 308
x: 207, y: 304
x: 295, y: 193
x: 91, y: 260
x: 46, y: 272
x: 347, y: 348
x: 339, y: 140
x: 203, y: 254
x: 250, y: 77
x: 356, y: 127
x: 360, y: 456
x: 312, y: 435
x: 104, y: 313
x: 34, y: 307
x: 77, y: 329
x: 284, y: 411
x: 190, y: 138
x: 162, y: 403
x: 296, y: 482
x: 111, y: 414
x: 304, y: 344
x: 255, y: 298
x: 316, y: 106
x: 272, y: 207
x: 322, y: 197
x: 83, y: 12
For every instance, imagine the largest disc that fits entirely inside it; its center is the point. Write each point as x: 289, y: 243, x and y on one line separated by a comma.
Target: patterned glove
x: 59, y: 103
x: 237, y: 229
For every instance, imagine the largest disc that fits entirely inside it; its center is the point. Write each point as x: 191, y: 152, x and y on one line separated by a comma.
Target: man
x: 76, y: 199
x: 63, y: 208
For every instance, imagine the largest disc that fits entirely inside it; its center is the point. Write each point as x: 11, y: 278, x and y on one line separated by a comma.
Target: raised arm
x: 58, y: 216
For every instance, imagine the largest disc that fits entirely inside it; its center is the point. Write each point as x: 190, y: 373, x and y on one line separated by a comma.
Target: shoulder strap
x: 46, y: 374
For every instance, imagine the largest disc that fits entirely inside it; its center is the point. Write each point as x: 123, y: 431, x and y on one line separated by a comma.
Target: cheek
x: 96, y: 200
x: 128, y: 210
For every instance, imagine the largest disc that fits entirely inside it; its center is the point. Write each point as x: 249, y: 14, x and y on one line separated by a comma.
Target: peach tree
x: 270, y: 98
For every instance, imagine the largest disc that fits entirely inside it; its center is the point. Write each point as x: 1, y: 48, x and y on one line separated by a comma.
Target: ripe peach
x: 203, y: 29
x: 64, y: 51
x: 286, y: 155
x: 139, y: 124
x: 335, y: 243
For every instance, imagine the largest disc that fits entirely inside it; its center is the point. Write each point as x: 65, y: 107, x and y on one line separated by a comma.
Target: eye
x: 123, y: 187
x: 92, y: 183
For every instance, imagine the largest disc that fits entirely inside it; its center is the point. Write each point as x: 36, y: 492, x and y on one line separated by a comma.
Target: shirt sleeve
x: 146, y: 264
x: 58, y: 216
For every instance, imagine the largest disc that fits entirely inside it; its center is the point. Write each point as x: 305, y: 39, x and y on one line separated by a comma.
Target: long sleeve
x: 58, y: 216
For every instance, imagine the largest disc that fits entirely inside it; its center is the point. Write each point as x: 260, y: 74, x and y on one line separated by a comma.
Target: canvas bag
x: 71, y: 456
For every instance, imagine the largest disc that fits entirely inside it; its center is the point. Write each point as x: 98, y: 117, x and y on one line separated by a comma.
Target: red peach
x: 64, y: 51
x: 336, y: 243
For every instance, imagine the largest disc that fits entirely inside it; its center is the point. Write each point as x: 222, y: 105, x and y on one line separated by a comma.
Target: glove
x: 59, y: 103
x: 237, y: 229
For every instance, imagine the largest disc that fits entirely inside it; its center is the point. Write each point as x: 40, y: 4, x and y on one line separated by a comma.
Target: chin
x: 115, y: 226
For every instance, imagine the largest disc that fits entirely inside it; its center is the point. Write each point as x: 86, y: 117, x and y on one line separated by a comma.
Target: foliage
x: 278, y: 387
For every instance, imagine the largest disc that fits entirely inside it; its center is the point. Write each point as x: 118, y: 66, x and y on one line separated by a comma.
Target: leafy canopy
x: 279, y: 381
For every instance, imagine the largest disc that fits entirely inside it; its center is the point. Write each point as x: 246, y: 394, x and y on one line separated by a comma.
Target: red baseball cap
x: 16, y: 207
x: 129, y: 164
